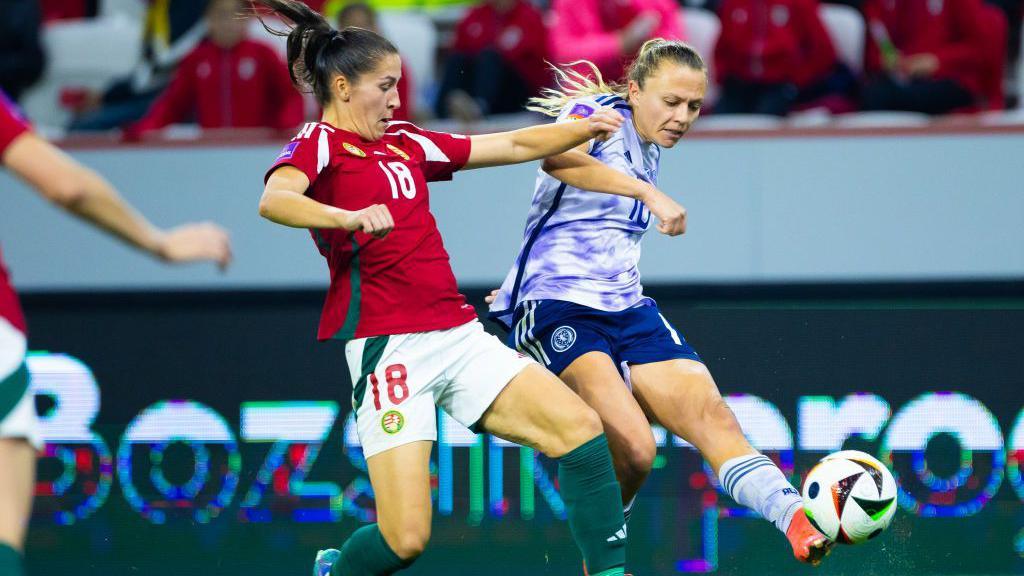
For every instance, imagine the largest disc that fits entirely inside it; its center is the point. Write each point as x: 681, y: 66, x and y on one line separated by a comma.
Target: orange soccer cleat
x: 809, y: 545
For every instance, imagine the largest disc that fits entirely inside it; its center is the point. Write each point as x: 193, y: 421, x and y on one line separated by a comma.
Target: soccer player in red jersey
x: 84, y: 193
x: 358, y: 182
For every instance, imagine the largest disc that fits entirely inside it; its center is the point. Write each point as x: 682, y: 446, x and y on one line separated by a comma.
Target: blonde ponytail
x: 571, y: 84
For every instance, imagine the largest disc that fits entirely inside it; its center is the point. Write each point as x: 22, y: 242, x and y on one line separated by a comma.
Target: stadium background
x: 853, y: 283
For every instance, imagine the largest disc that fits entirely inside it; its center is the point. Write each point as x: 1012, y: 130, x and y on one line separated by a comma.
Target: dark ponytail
x: 317, y: 52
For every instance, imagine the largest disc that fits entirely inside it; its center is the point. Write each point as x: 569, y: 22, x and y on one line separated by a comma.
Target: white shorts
x: 17, y: 415
x: 399, y: 379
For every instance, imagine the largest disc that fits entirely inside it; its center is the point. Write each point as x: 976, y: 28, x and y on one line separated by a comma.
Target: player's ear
x: 342, y: 88
x: 633, y: 91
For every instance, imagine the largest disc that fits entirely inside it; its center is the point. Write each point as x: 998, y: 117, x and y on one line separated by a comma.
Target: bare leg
x: 682, y: 396
x: 538, y: 410
x: 401, y: 483
x: 17, y: 477
x: 596, y: 379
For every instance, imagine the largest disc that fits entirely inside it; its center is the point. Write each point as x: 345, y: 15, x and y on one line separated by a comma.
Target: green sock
x: 593, y: 501
x: 366, y: 553
x: 10, y: 561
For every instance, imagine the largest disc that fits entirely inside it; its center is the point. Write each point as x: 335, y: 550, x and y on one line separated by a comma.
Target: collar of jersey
x: 349, y: 135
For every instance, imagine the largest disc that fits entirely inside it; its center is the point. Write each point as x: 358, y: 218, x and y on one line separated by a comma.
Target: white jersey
x: 582, y: 246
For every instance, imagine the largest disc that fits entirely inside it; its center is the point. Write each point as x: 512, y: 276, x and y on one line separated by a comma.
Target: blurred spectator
x: 609, y: 32
x: 1014, y: 12
x: 227, y: 81
x: 67, y: 9
x: 172, y: 30
x: 772, y: 54
x: 21, y: 53
x: 361, y: 15
x: 496, y: 63
x: 923, y: 55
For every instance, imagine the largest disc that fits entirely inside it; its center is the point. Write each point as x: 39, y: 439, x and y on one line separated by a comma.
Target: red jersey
x: 246, y: 86
x: 518, y: 34
x: 951, y: 30
x: 773, y: 41
x: 11, y: 126
x: 403, y: 283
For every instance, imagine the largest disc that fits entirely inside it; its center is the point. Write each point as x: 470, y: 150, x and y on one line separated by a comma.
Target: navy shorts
x: 555, y: 333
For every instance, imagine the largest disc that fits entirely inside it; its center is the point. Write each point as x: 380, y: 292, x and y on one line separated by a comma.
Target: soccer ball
x: 850, y: 497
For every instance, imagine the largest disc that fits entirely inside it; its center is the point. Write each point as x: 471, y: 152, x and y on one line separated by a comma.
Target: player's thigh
x: 19, y: 437
x: 537, y: 409
x: 401, y: 485
x: 19, y: 442
x: 681, y: 395
x: 17, y: 478
x: 494, y: 388
x: 596, y: 379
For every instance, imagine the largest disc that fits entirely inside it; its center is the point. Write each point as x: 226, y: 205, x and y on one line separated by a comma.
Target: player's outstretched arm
x: 83, y: 192
x: 581, y: 170
x: 284, y: 202
x: 541, y: 141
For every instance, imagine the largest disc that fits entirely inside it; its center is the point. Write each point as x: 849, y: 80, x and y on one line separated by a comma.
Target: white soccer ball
x: 850, y: 497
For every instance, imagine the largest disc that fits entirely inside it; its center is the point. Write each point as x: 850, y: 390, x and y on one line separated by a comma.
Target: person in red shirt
x: 923, y: 55
x: 227, y: 81
x: 609, y: 33
x: 85, y: 194
x: 362, y: 15
x: 358, y: 181
x: 66, y: 9
x: 496, y: 63
x: 767, y: 53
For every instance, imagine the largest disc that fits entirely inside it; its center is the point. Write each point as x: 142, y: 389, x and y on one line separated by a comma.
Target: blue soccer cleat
x: 325, y: 559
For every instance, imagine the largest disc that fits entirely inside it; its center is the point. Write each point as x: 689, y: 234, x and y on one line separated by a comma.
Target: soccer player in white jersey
x: 574, y: 302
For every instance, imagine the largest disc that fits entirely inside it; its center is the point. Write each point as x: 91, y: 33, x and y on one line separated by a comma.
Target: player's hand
x: 490, y: 298
x: 671, y: 215
x: 604, y: 122
x: 375, y: 220
x: 195, y: 243
x: 920, y: 65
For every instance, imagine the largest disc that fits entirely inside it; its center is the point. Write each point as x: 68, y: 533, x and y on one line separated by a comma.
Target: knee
x: 579, y: 425
x: 634, y: 461
x: 409, y: 542
x: 717, y: 418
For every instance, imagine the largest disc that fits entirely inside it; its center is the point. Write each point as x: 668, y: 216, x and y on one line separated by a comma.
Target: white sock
x: 628, y: 509
x: 757, y: 483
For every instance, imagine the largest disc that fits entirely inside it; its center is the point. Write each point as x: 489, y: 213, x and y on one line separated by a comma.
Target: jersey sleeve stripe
x: 323, y: 152
x: 430, y: 150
